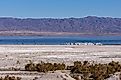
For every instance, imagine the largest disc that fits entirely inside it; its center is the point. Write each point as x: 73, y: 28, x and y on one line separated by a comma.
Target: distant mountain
x: 87, y: 25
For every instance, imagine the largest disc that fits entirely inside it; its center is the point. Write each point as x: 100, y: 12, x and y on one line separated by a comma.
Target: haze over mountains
x: 87, y: 25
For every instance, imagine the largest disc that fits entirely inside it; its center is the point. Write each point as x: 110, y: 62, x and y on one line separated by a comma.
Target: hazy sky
x: 60, y: 8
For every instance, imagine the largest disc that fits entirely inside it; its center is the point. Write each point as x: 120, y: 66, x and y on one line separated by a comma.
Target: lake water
x: 28, y: 40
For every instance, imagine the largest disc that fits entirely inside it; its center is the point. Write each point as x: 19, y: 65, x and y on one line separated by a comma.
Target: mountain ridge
x: 88, y: 25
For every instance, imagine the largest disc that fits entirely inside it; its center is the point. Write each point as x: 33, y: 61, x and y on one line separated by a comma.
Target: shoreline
x: 39, y: 33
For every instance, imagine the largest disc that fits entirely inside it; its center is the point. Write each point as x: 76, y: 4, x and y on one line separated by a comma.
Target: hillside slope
x: 86, y: 25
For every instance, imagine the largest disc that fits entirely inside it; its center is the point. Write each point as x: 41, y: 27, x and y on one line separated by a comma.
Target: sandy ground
x: 18, y: 55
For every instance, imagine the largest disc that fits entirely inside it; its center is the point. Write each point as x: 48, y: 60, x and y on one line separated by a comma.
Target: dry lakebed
x: 17, y: 56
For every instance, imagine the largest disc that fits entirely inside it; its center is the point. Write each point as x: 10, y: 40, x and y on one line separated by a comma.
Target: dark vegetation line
x: 88, y: 71
x: 10, y: 78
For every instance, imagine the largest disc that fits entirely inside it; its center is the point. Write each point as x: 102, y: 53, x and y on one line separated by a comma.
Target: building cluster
x: 83, y: 43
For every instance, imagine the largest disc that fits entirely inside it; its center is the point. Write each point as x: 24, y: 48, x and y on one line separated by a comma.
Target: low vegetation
x: 44, y: 67
x: 87, y: 71
x: 94, y: 71
x: 10, y: 78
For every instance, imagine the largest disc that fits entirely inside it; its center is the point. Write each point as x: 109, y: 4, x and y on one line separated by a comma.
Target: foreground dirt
x: 16, y: 56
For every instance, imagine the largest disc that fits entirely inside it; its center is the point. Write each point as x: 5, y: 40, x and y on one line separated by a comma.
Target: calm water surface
x: 27, y: 40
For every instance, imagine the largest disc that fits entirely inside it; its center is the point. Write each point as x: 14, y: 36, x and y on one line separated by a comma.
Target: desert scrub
x: 10, y: 78
x: 95, y: 71
x: 87, y: 71
x: 44, y: 67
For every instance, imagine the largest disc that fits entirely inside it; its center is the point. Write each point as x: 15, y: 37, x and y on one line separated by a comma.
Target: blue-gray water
x: 106, y: 40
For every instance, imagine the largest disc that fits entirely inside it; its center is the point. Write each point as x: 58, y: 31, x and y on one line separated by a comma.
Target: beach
x: 17, y: 56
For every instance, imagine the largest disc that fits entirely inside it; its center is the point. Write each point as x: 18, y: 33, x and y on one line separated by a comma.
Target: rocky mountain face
x: 89, y: 24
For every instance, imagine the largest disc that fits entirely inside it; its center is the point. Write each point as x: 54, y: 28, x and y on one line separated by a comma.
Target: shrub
x: 44, y: 67
x: 10, y: 78
x: 95, y: 71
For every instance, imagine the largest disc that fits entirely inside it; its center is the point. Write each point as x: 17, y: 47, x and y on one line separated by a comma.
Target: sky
x: 59, y: 8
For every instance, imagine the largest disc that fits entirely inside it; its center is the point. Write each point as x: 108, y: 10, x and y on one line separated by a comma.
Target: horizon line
x: 57, y: 17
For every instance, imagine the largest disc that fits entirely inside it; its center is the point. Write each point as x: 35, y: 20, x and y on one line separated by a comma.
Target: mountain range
x: 90, y: 25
